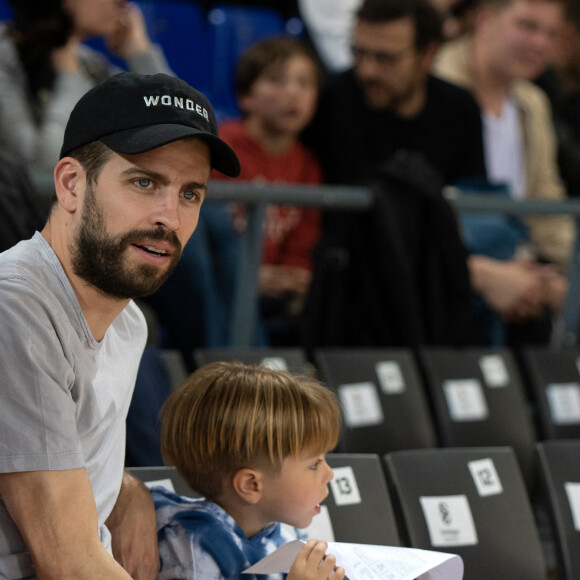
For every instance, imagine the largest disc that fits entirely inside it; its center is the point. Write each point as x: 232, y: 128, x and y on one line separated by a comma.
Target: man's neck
x: 245, y: 514
x: 99, y: 310
x: 491, y: 87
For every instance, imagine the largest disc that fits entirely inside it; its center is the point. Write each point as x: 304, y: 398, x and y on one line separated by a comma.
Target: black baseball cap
x: 133, y: 113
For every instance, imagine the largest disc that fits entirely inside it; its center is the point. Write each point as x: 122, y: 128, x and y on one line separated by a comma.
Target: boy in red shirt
x: 277, y: 84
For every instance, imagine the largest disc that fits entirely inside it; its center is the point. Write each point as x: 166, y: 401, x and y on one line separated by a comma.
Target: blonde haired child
x: 252, y: 442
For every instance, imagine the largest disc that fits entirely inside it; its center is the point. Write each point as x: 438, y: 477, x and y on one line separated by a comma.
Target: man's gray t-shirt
x: 63, y: 396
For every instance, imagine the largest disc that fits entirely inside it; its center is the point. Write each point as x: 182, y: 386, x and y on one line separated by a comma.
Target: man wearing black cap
x: 136, y: 159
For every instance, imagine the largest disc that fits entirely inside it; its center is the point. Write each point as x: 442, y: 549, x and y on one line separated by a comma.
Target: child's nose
x: 329, y: 474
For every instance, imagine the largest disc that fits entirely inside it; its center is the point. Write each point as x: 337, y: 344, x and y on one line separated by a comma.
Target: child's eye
x: 315, y: 466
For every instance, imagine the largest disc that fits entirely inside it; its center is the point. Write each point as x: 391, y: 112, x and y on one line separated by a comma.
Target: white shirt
x: 504, y: 149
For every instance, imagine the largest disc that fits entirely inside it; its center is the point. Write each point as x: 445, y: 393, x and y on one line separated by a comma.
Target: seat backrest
x: 382, y: 396
x: 5, y: 10
x: 471, y: 502
x: 559, y: 467
x: 554, y: 380
x: 232, y: 29
x: 358, y: 507
x: 292, y: 359
x: 180, y: 27
x: 479, y: 400
x: 176, y: 367
x: 164, y: 475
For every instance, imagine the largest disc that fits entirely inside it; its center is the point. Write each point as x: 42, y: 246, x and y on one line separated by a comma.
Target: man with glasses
x: 401, y: 267
x: 388, y: 101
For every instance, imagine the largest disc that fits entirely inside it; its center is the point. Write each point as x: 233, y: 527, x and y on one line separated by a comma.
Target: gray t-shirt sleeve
x: 37, y: 411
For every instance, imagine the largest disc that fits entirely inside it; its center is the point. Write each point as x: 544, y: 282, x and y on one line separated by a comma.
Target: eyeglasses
x: 381, y: 58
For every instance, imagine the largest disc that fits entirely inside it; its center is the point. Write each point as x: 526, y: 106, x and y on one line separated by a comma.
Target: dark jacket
x: 395, y: 275
x: 23, y: 209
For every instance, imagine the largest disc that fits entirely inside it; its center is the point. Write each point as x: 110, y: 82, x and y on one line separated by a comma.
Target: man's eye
x: 189, y: 195
x: 144, y: 182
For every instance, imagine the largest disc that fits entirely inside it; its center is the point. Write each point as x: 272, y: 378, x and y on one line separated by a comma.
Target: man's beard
x: 396, y: 99
x: 99, y: 258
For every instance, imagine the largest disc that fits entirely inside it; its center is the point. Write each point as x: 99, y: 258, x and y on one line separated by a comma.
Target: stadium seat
x: 166, y: 476
x: 479, y: 400
x: 554, y: 380
x: 231, y: 30
x: 175, y: 365
x: 5, y: 10
x: 180, y: 27
x: 471, y: 502
x: 559, y: 467
x: 287, y: 359
x: 383, y: 398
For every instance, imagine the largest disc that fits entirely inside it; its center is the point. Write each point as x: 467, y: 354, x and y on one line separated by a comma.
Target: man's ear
x: 247, y: 483
x: 69, y: 183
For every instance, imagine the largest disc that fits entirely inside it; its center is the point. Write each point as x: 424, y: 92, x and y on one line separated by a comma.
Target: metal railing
x: 257, y: 196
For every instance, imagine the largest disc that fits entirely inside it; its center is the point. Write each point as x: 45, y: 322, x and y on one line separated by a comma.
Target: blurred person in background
x: 277, y: 85
x: 562, y: 85
x: 512, y: 42
x: 45, y: 67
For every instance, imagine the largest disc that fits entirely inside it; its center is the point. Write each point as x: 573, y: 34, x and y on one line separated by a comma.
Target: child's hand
x: 312, y: 564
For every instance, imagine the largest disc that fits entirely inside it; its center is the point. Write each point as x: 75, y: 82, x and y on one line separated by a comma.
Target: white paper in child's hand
x: 369, y: 562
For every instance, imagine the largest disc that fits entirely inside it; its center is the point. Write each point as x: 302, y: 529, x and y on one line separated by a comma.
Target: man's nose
x: 166, y: 212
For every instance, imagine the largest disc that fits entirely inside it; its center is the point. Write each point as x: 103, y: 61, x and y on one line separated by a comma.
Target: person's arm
x: 133, y: 529
x: 56, y: 514
x: 37, y: 143
x: 132, y: 43
x: 552, y: 236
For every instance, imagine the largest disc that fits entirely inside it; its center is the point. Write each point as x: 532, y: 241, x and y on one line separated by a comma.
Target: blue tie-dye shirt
x: 198, y: 540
